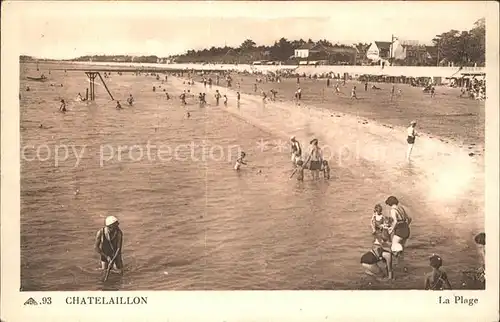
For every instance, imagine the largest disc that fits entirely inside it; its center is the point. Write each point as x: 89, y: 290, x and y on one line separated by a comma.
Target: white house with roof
x: 304, y: 51
x: 383, y: 50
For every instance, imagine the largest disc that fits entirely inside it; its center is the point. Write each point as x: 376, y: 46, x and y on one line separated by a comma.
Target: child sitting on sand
x: 437, y: 279
x: 240, y: 161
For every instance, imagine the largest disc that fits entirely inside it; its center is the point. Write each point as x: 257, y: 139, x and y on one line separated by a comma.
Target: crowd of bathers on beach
x: 390, y: 231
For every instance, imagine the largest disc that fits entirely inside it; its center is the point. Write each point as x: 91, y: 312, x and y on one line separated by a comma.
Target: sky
x: 63, y: 30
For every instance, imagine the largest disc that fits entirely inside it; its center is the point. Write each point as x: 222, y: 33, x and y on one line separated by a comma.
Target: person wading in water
x: 437, y: 279
x: 62, y: 108
x: 108, y: 244
x: 314, y: 160
x: 400, y: 227
x: 411, y: 134
x: 296, y: 150
x: 379, y: 224
x: 377, y: 255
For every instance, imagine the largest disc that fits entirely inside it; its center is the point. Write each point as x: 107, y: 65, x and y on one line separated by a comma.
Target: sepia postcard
x: 249, y: 161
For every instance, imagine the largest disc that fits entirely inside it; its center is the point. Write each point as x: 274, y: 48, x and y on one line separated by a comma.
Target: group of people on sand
x: 313, y: 162
x: 474, y: 89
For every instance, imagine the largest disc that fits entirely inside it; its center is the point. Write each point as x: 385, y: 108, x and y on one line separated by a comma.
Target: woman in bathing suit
x: 371, y: 260
x: 400, y: 228
x: 315, y: 158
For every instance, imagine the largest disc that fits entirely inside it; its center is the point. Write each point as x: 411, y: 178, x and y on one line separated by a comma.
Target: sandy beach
x: 193, y: 223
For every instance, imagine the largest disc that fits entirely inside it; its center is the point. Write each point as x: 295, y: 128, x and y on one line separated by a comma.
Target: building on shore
x: 420, y: 55
x: 304, y: 51
x: 397, y: 53
x: 319, y: 54
x: 385, y: 52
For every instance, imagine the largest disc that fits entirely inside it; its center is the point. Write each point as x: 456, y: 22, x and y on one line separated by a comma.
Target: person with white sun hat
x: 108, y: 244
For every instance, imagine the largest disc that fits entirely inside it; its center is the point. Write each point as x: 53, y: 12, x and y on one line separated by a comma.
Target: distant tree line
x: 282, y: 50
x: 119, y: 58
x: 464, y: 48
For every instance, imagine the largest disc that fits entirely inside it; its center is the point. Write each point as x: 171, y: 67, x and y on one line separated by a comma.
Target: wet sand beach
x: 193, y: 223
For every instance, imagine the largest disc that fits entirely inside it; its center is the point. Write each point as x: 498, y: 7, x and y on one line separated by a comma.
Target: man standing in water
x: 217, y: 97
x: 410, y: 138
x: 108, y: 244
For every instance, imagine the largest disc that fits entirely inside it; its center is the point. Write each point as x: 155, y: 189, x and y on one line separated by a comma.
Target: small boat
x: 38, y: 79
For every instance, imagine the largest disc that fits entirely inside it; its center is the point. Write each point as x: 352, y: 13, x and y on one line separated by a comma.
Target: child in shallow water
x: 380, y: 224
x: 437, y: 279
x: 326, y: 169
x: 299, y: 169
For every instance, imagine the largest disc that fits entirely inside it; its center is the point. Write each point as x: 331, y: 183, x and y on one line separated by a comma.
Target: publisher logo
x: 31, y: 301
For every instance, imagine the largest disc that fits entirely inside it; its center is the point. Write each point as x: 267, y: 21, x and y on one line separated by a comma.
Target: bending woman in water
x: 377, y: 255
x: 400, y: 228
